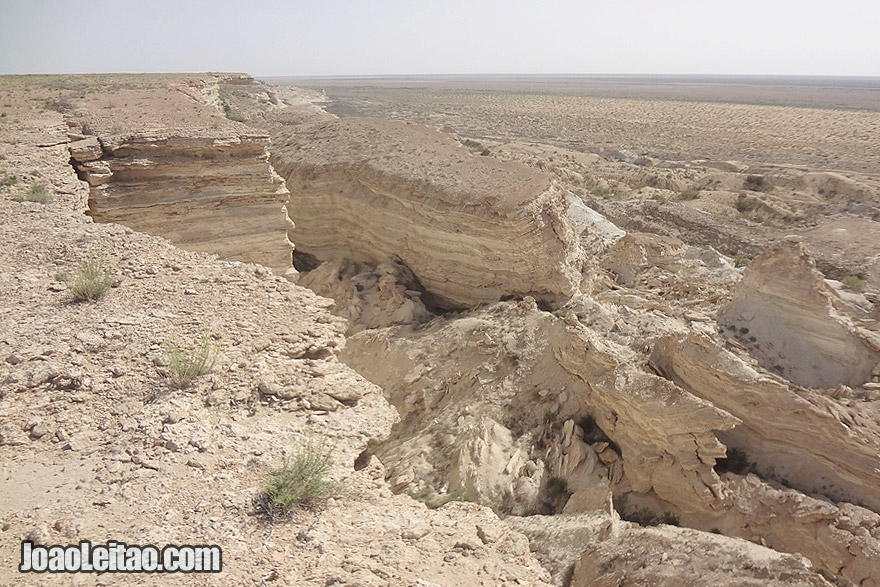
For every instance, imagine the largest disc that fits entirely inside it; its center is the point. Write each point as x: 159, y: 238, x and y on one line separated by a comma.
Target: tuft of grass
x: 301, y: 481
x: 741, y: 260
x: 91, y: 282
x: 854, y: 283
x: 606, y: 194
x: 188, y: 363
x: 36, y: 193
x: 8, y: 179
x: 231, y: 114
x: 689, y: 195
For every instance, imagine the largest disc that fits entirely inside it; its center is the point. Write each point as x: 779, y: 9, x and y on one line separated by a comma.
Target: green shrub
x: 8, y: 179
x: 854, y: 283
x: 36, y: 193
x: 188, y: 363
x: 91, y: 282
x: 301, y: 481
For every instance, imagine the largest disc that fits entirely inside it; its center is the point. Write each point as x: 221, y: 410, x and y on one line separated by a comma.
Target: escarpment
x: 174, y: 166
x: 471, y: 229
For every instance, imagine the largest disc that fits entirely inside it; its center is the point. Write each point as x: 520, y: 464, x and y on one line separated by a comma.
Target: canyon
x: 536, y: 365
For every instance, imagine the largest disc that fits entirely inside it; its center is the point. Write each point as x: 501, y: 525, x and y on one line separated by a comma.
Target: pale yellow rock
x: 784, y: 303
x: 471, y: 229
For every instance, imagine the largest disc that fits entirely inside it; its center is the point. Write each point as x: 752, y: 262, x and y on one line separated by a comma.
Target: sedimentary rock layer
x: 470, y: 228
x: 816, y: 443
x: 789, y: 314
x: 182, y: 171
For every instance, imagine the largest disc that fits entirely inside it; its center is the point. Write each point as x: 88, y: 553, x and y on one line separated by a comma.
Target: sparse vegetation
x: 603, y: 193
x: 92, y: 281
x: 8, y: 179
x: 854, y: 282
x: 36, y: 193
x: 745, y: 203
x: 689, y: 194
x: 227, y: 109
x: 756, y: 183
x: 301, y: 481
x: 741, y: 260
x: 58, y: 104
x: 188, y: 363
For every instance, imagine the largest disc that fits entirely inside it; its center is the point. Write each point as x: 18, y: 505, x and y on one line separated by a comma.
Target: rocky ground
x: 97, y: 445
x: 487, y: 442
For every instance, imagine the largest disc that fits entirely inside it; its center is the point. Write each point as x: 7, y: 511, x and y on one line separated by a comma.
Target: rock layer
x: 178, y: 169
x: 472, y: 229
x: 816, y: 443
x: 784, y: 305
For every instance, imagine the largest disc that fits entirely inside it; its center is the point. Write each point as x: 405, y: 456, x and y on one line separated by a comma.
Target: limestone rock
x: 202, y: 182
x: 814, y: 442
x: 635, y: 252
x: 369, y: 296
x: 470, y: 228
x: 785, y: 304
x: 669, y: 556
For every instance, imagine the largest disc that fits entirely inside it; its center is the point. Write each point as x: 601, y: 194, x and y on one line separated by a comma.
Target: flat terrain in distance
x: 822, y: 123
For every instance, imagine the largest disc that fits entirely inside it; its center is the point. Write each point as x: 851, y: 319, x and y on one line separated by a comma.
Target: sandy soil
x: 825, y: 129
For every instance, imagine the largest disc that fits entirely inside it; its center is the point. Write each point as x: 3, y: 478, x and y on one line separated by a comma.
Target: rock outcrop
x: 670, y: 557
x: 472, y: 229
x: 173, y: 166
x: 816, y: 443
x: 788, y: 313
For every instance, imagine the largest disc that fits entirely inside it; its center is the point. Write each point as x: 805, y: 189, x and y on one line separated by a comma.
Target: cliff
x: 160, y: 160
x: 471, y: 229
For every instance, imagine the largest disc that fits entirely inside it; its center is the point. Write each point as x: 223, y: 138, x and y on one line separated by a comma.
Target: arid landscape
x: 605, y: 332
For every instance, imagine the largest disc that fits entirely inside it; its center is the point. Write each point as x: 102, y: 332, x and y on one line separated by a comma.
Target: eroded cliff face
x: 472, y: 229
x: 174, y: 166
x: 794, y: 328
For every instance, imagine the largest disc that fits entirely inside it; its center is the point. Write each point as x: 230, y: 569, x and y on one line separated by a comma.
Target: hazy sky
x: 336, y: 37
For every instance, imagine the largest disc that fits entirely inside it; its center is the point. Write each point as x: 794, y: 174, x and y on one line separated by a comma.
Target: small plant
x: 484, y: 152
x: 659, y: 198
x: 741, y: 260
x: 36, y: 193
x: 689, y: 195
x: 756, y: 183
x: 854, y: 283
x: 92, y: 281
x: 745, y: 203
x: 603, y: 193
x: 227, y: 109
x: 301, y: 481
x: 187, y: 363
x: 8, y: 179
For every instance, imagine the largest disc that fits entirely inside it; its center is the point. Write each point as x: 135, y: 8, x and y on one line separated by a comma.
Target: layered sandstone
x: 819, y: 444
x: 787, y: 311
x: 162, y: 161
x: 526, y: 412
x: 472, y: 229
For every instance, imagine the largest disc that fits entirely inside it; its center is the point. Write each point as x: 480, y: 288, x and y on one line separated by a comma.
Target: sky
x: 398, y: 37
